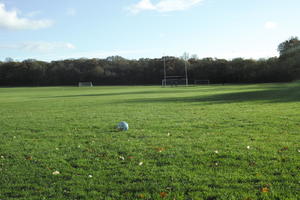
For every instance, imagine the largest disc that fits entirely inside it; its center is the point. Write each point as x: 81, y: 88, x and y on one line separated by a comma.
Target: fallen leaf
x: 265, y: 189
x: 28, y: 157
x: 252, y: 163
x: 56, y: 173
x: 121, y: 157
x: 283, y: 149
x: 160, y: 149
x: 141, y: 196
x: 163, y: 194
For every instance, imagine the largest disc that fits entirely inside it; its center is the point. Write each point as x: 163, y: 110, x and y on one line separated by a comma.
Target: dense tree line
x: 116, y: 70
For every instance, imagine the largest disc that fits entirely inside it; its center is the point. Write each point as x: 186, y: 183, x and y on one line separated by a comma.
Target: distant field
x: 207, y: 142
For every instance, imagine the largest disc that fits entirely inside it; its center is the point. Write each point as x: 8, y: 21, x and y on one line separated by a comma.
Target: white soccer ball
x: 123, y: 126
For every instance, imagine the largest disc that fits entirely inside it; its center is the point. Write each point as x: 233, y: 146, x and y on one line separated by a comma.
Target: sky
x: 70, y: 29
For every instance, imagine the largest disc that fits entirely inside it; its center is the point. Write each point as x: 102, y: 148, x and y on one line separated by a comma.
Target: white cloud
x: 104, y: 54
x: 33, y: 13
x: 140, y: 6
x: 173, y: 5
x: 246, y: 54
x: 71, y: 12
x: 40, y: 47
x: 11, y: 20
x: 130, y: 54
x: 45, y: 47
x: 271, y: 25
x: 163, y: 5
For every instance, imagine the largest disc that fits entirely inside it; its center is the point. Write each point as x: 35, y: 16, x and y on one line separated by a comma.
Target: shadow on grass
x: 168, y: 90
x: 273, y: 94
x: 175, y: 90
x: 117, y: 94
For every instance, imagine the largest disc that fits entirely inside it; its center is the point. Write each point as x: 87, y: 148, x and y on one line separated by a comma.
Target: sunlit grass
x: 209, y: 142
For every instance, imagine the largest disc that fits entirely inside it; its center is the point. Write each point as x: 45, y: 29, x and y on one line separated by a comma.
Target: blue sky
x: 61, y: 29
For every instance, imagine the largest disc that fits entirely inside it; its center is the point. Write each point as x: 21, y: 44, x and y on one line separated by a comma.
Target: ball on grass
x: 123, y: 126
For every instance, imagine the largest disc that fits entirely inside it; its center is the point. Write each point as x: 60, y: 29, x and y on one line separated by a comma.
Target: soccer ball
x: 123, y: 126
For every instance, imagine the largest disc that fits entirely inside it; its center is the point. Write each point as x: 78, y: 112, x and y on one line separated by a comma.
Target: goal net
x: 173, y: 82
x: 201, y: 82
x: 85, y: 84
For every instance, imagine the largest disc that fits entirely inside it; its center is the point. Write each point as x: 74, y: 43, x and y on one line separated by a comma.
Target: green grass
x: 169, y: 151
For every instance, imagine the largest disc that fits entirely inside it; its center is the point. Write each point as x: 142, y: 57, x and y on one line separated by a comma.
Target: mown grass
x: 209, y: 142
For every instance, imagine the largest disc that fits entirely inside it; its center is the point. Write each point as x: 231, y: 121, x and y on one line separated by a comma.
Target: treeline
x: 116, y: 70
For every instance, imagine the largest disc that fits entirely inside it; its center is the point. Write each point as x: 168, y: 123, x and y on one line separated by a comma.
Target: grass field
x: 208, y: 142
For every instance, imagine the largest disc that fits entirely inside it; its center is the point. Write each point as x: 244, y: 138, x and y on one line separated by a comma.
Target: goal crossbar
x: 85, y: 84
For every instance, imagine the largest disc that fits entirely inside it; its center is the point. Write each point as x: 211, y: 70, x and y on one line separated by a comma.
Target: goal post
x: 85, y: 84
x: 175, y: 80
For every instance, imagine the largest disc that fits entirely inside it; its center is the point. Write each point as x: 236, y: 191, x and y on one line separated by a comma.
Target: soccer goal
x: 85, y: 84
x: 201, y: 82
x: 173, y: 81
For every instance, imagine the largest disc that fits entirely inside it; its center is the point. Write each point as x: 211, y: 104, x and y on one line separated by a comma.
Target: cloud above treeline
x: 162, y: 5
x: 11, y: 20
x: 40, y: 47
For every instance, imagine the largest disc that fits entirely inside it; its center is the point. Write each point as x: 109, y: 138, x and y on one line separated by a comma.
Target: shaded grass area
x: 283, y: 93
x: 210, y: 142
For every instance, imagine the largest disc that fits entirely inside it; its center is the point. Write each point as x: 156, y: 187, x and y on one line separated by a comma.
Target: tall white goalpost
x: 186, y: 57
x: 176, y: 80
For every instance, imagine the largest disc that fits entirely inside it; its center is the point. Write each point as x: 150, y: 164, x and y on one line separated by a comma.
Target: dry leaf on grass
x: 56, y: 173
x: 163, y: 194
x: 160, y: 149
x: 265, y: 189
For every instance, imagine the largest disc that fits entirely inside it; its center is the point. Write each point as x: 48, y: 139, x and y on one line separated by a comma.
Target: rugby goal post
x: 85, y: 84
x: 175, y: 80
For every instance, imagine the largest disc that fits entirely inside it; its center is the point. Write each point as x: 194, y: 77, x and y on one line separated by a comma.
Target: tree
x: 289, y: 46
x: 117, y: 70
x: 8, y: 59
x: 185, y: 56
